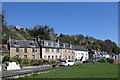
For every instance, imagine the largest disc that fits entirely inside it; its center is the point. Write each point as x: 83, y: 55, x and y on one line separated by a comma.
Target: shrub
x: 102, y: 60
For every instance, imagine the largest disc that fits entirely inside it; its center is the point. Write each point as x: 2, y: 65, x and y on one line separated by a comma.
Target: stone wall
x: 21, y: 53
x: 114, y: 61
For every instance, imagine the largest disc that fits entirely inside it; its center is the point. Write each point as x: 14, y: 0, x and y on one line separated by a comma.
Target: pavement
x: 29, y: 70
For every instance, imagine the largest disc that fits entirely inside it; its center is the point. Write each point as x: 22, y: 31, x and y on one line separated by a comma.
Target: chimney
x: 57, y: 40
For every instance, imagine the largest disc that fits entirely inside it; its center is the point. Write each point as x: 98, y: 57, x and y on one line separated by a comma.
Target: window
x: 45, y: 57
x: 49, y: 57
x: 82, y: 54
x: 17, y: 56
x: 15, y: 43
x: 66, y: 57
x: 32, y: 44
x: 17, y: 49
x: 57, y: 50
x: 59, y: 57
x: 56, y: 44
x: 33, y: 56
x: 25, y: 50
x: 52, y: 57
x: 52, y: 50
x: 69, y: 57
x: 46, y: 49
x: 33, y: 49
x: 46, y: 43
x: 25, y: 56
x: 56, y: 57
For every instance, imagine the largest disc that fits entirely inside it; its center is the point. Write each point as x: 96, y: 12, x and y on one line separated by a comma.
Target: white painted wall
x: 79, y: 54
x: 106, y: 56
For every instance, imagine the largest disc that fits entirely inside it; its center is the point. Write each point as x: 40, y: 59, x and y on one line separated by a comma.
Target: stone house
x: 24, y: 49
x: 46, y: 49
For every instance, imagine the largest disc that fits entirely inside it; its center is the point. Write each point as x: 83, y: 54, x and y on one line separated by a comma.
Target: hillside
x: 47, y: 33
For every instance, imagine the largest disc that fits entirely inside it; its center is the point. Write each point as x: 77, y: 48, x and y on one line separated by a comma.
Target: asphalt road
x: 26, y: 71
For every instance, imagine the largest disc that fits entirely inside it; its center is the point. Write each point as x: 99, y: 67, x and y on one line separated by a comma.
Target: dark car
x: 91, y: 60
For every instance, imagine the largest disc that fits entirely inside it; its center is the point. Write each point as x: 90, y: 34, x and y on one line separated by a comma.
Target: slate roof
x: 54, y: 44
x: 30, y: 44
x: 79, y: 48
x: 23, y: 44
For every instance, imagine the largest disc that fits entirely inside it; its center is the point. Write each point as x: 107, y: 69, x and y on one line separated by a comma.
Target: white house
x: 116, y: 56
x: 17, y: 27
x: 81, y: 53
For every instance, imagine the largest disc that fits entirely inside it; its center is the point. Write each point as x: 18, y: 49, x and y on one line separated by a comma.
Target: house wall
x: 51, y: 52
x: 79, y: 54
x: 68, y: 54
x: 62, y: 54
x: 21, y: 53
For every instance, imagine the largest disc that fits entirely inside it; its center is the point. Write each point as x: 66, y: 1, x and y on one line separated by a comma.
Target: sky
x: 96, y: 19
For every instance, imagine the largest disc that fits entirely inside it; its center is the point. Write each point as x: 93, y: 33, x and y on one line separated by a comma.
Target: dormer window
x: 56, y: 45
x: 15, y: 43
x: 46, y: 43
x: 32, y: 44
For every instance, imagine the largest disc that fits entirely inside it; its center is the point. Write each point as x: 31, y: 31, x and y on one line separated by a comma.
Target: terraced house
x: 24, y: 49
x: 56, y: 50
x: 46, y: 49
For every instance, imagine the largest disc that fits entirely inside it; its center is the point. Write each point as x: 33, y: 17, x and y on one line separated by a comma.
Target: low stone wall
x: 115, y: 61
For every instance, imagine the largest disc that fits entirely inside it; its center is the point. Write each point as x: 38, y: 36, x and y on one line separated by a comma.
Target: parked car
x: 66, y: 63
x: 92, y: 60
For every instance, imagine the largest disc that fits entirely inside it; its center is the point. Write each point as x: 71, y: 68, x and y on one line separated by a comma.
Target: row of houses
x: 46, y: 49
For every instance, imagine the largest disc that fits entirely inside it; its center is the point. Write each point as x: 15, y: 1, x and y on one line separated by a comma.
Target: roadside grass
x: 98, y: 70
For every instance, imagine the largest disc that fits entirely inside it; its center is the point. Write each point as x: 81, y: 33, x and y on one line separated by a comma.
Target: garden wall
x: 115, y: 61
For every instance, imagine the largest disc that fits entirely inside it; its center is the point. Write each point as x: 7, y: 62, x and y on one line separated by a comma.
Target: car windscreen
x: 70, y: 61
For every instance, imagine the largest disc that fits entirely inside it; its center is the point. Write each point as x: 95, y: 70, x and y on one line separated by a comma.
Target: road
x: 26, y: 71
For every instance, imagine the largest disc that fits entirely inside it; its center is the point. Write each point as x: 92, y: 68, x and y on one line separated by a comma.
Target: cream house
x: 56, y: 50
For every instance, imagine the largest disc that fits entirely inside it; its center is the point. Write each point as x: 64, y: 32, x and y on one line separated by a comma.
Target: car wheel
x: 68, y: 65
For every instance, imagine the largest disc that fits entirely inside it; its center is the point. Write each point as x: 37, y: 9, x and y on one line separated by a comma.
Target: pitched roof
x: 79, y: 48
x: 23, y: 43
